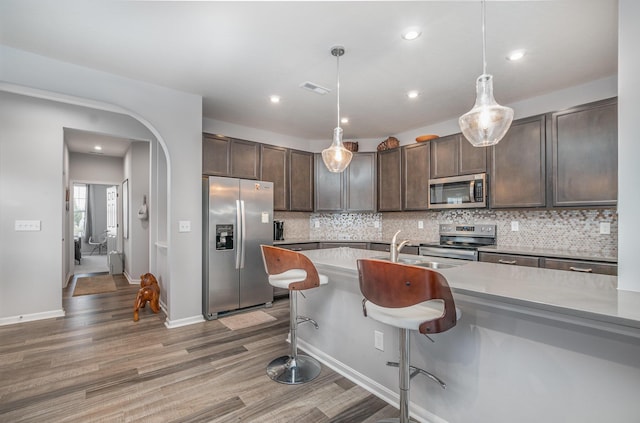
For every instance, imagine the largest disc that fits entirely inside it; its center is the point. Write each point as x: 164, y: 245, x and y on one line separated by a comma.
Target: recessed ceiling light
x: 344, y: 120
x: 413, y: 94
x: 97, y: 148
x: 411, y: 34
x: 274, y: 99
x: 515, y: 55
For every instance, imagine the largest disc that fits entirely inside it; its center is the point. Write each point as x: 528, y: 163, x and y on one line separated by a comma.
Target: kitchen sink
x: 422, y: 263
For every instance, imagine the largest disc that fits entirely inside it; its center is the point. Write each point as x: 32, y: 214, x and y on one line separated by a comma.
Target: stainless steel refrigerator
x: 237, y: 218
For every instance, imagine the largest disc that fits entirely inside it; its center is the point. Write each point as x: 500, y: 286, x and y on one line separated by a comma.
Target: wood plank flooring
x: 97, y: 365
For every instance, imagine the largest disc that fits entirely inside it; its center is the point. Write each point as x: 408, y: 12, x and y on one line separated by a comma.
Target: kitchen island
x: 532, y: 344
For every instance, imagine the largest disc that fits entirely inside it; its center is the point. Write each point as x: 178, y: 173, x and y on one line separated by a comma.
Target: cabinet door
x: 471, y: 159
x: 415, y: 176
x: 361, y: 183
x: 389, y: 177
x: 245, y: 159
x: 215, y: 155
x: 517, y: 170
x: 329, y: 194
x: 445, y: 153
x: 300, y: 180
x: 274, y: 168
x: 585, y: 155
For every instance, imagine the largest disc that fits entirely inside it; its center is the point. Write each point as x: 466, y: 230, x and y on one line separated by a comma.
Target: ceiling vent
x: 315, y: 88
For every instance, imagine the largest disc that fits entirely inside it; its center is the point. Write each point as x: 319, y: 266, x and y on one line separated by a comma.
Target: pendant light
x: 488, y: 122
x: 336, y: 158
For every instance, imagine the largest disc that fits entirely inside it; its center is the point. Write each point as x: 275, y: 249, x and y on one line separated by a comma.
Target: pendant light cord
x: 484, y: 42
x: 338, y: 88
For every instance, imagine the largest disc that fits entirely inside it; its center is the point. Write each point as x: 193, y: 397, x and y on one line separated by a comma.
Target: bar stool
x: 409, y: 298
x: 293, y: 271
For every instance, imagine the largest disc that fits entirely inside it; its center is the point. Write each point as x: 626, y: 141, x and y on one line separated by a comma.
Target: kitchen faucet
x: 395, y: 248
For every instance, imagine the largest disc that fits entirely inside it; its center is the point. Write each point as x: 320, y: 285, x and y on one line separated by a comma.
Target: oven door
x: 467, y: 191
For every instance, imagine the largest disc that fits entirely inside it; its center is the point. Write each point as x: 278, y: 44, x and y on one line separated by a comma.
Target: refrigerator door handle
x: 238, y: 233
x: 243, y: 230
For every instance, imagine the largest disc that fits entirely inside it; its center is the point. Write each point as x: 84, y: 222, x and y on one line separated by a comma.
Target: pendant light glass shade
x: 488, y: 122
x: 336, y: 158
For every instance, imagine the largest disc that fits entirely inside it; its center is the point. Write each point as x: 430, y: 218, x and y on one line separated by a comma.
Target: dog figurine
x: 149, y: 292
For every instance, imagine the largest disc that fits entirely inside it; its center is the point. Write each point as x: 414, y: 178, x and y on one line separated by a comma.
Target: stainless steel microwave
x: 466, y: 191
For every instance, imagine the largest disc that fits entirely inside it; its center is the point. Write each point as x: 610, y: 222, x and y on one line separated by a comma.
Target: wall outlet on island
x: 378, y: 340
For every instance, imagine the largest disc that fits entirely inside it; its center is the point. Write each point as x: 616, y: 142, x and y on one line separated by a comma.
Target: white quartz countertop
x: 586, y: 296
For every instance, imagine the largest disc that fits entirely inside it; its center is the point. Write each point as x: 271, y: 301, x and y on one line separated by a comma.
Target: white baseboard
x: 380, y: 391
x: 31, y: 317
x: 130, y: 279
x: 172, y: 324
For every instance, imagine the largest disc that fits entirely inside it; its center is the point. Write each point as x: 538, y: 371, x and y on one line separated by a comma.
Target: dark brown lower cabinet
x: 510, y: 259
x: 581, y: 266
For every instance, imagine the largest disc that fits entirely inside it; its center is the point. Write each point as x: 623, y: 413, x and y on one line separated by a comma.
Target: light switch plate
x: 515, y: 226
x: 420, y: 224
x: 27, y: 225
x: 605, y: 228
x: 184, y: 226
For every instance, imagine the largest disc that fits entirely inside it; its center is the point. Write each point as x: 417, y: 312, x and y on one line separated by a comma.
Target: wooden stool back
x: 278, y: 260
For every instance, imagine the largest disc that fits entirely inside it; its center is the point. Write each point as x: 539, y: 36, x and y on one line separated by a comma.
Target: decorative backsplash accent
x: 571, y: 229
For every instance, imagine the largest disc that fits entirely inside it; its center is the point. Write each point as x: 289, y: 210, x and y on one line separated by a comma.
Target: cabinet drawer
x: 359, y: 245
x: 581, y: 266
x: 509, y: 259
x: 300, y: 246
x: 379, y: 246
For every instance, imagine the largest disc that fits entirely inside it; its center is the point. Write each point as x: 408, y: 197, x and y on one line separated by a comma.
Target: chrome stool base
x: 293, y: 371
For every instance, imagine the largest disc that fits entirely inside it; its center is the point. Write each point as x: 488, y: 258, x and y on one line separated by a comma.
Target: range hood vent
x: 314, y: 88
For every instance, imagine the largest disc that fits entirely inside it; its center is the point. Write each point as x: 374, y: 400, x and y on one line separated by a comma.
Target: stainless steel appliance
x: 278, y: 230
x: 237, y: 218
x: 460, y: 241
x: 464, y: 191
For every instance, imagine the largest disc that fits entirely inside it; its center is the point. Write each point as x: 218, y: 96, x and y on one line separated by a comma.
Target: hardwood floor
x: 96, y: 364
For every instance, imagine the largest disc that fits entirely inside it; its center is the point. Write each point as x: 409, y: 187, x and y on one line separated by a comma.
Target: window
x: 79, y: 209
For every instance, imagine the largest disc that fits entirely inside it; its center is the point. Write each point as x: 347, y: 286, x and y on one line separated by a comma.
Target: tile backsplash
x: 575, y: 229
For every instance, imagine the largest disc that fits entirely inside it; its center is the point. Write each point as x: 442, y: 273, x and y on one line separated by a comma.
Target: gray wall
x: 32, y: 186
x: 136, y: 246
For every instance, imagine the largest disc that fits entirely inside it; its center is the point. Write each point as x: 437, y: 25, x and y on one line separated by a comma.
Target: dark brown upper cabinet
x: 352, y: 190
x: 274, y: 167
x: 415, y: 176
x: 517, y: 166
x: 389, y: 180
x: 584, y: 155
x: 224, y: 156
x: 300, y: 180
x: 453, y: 155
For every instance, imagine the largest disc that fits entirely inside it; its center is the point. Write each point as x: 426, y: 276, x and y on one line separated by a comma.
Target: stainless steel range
x: 460, y: 241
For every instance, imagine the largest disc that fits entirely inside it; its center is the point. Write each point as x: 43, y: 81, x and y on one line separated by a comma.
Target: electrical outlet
x: 184, y: 226
x: 378, y: 341
x: 316, y: 223
x: 515, y: 226
x: 605, y: 228
x: 376, y: 224
x: 420, y: 224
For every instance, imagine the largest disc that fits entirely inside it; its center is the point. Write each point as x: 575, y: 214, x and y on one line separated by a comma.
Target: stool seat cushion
x: 283, y: 280
x: 408, y: 317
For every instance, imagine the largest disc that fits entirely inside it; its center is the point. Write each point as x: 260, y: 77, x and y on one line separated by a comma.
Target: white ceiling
x: 236, y: 54
x: 85, y: 142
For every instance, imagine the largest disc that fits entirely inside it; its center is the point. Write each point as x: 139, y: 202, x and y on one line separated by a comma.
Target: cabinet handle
x: 507, y: 261
x: 581, y: 269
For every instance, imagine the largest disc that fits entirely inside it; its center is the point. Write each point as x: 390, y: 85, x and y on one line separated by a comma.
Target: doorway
x: 95, y: 226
